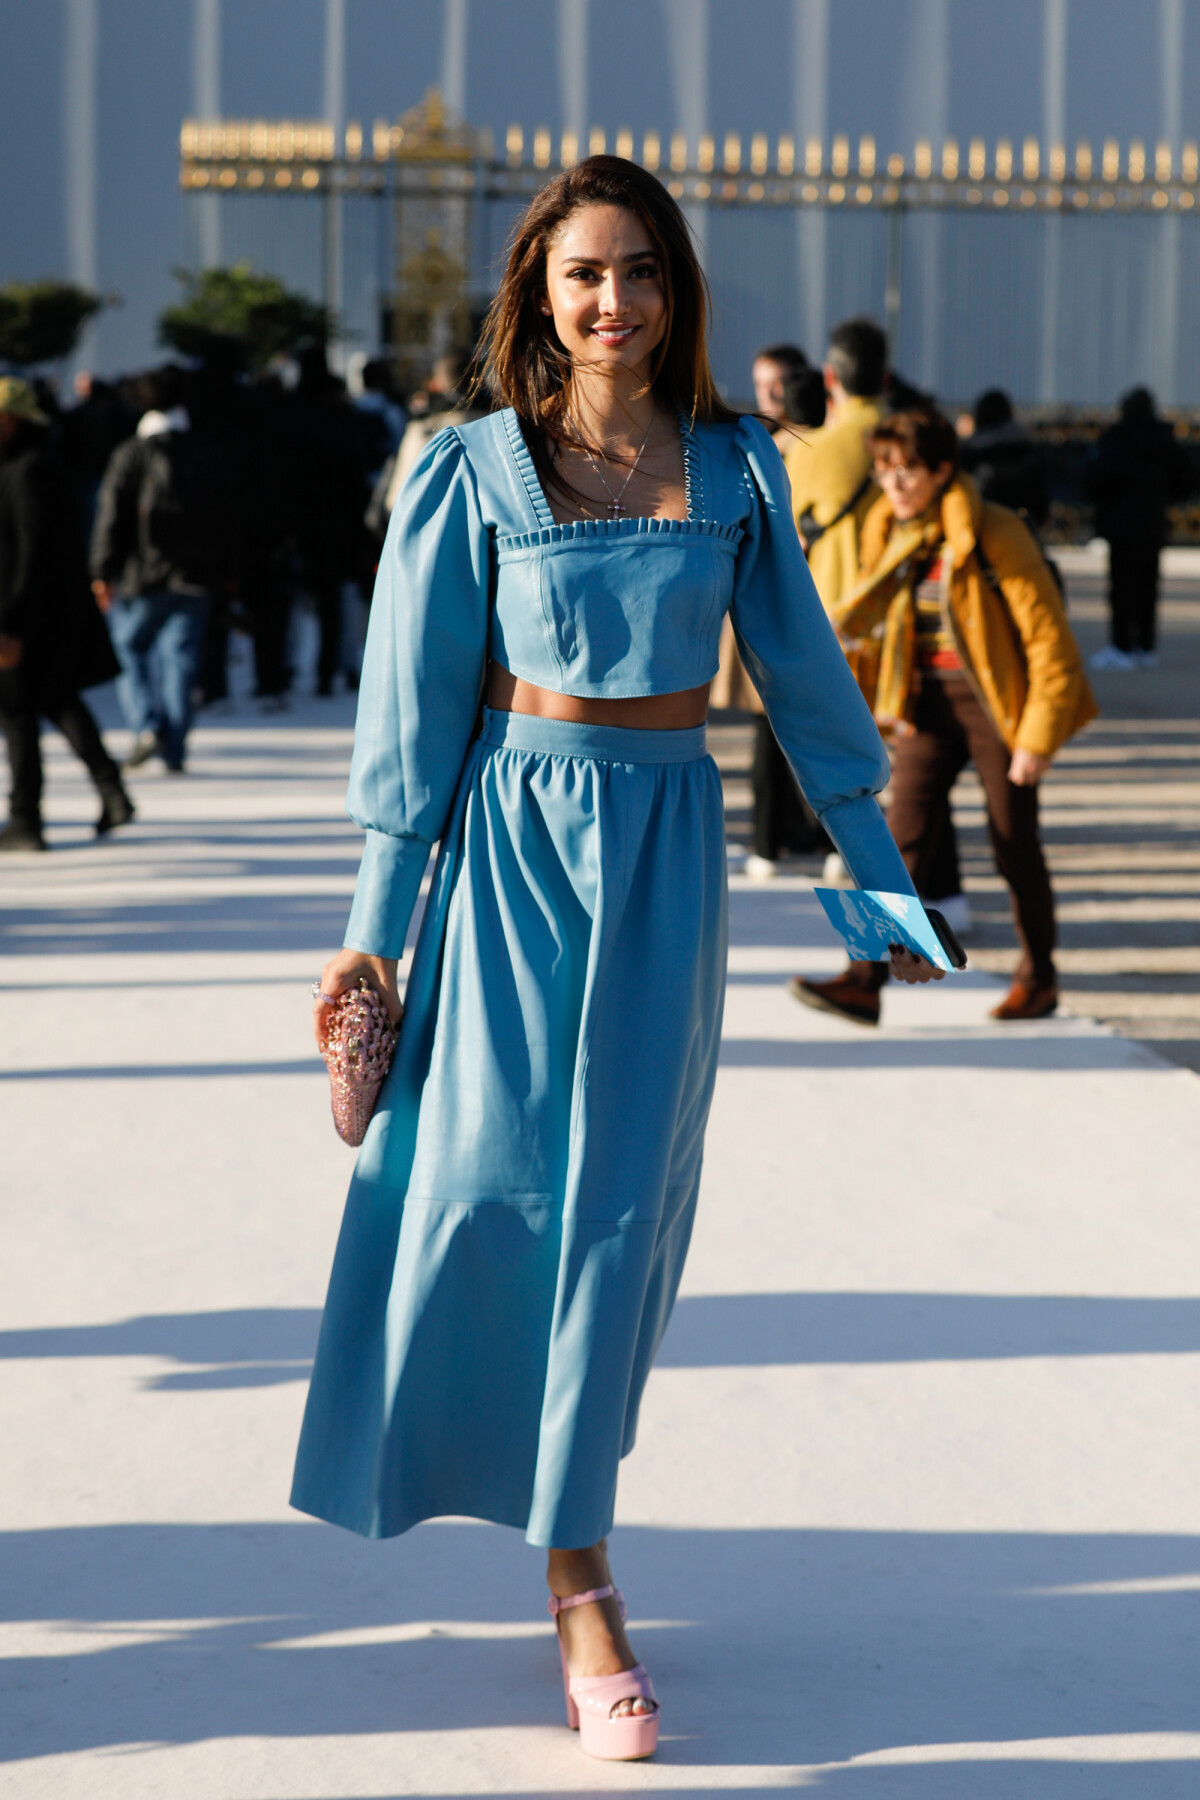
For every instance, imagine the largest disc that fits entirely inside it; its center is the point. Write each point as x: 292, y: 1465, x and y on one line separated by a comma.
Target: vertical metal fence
x: 1064, y: 290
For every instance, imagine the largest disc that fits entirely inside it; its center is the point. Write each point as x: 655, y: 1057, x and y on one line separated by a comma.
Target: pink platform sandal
x: 591, y: 1698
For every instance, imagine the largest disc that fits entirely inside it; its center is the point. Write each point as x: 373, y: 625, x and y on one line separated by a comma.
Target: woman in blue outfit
x: 520, y: 1212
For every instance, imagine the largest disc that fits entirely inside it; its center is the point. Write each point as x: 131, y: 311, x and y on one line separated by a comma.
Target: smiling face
x: 604, y: 290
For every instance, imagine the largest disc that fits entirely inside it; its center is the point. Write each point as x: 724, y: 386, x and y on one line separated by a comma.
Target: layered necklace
x: 616, y: 508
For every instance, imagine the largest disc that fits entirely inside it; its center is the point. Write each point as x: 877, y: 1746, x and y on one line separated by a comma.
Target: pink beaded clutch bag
x: 358, y: 1053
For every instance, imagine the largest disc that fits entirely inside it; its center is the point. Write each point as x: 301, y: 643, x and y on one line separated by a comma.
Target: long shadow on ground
x: 256, y: 1347
x: 839, y: 1644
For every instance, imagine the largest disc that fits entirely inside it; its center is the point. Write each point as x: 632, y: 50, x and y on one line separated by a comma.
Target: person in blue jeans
x: 167, y: 628
x: 159, y: 549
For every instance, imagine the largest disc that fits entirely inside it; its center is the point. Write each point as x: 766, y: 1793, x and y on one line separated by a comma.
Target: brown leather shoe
x: 1025, y: 1001
x: 845, y: 998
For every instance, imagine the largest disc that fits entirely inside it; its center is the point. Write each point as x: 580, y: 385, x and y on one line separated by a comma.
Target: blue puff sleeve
x: 792, y: 655
x: 421, y: 682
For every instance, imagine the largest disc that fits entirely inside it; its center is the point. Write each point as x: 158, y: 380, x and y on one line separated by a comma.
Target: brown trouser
x: 953, y: 729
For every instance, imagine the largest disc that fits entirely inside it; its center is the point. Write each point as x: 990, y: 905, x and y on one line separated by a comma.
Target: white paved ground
x: 916, y: 1504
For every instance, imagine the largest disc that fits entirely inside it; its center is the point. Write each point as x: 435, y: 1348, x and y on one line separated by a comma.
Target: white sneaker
x: 956, y: 910
x: 1112, y: 658
x: 760, y: 868
x: 835, y: 873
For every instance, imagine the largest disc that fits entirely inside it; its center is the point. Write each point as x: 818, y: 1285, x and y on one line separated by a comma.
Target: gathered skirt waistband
x: 604, y: 743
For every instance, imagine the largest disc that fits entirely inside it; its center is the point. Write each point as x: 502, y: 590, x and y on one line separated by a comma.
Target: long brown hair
x: 522, y: 361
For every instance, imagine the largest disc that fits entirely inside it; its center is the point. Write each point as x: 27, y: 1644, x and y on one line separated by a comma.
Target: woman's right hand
x: 905, y: 966
x: 344, y: 972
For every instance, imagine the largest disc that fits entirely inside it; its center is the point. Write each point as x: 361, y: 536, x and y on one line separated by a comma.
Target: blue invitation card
x: 868, y: 922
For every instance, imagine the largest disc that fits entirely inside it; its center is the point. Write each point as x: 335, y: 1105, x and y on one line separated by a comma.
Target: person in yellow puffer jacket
x: 958, y: 635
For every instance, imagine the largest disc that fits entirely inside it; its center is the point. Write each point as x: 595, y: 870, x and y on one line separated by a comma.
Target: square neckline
x: 543, y: 515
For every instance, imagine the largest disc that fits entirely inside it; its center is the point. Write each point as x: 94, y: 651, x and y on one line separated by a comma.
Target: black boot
x: 19, y: 834
x: 116, y: 808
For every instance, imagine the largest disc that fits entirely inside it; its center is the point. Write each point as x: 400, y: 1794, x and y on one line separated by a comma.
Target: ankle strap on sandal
x: 555, y: 1605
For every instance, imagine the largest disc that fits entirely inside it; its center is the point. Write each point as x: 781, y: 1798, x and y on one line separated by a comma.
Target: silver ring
x: 316, y: 993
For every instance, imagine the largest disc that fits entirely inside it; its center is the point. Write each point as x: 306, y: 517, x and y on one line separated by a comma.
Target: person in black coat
x: 89, y: 433
x: 1004, y: 461
x: 53, y: 640
x: 331, y: 457
x: 163, y: 548
x: 1138, y: 469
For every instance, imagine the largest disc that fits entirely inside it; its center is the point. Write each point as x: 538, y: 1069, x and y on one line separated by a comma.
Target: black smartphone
x: 946, y: 938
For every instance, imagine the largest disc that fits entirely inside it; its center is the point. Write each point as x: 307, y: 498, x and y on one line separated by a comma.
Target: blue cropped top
x: 474, y: 567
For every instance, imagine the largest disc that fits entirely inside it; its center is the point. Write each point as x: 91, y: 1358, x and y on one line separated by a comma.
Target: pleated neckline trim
x: 610, y: 530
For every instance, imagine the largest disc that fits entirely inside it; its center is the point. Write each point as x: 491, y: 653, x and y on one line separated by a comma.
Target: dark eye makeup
x: 639, y: 270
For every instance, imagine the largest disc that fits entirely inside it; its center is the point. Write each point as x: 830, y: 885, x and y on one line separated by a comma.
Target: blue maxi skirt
x: 520, y: 1212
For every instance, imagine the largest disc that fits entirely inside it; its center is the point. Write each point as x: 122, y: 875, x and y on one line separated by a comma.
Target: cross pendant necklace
x: 615, y: 509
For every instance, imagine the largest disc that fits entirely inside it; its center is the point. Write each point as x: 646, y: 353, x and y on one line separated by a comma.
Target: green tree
x: 40, y: 321
x: 237, y: 315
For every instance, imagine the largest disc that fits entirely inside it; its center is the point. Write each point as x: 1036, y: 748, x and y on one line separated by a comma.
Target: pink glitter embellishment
x: 358, y: 1053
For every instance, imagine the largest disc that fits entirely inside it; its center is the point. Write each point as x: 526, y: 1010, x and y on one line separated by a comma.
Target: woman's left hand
x: 907, y: 967
x: 342, y: 973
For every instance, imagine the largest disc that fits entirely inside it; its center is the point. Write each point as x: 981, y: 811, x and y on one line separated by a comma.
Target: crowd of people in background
x: 923, y: 544
x: 179, y: 505
x: 261, y: 488
x: 196, y: 501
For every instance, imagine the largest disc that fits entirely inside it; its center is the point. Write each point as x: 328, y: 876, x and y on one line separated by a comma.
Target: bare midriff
x: 648, y: 712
